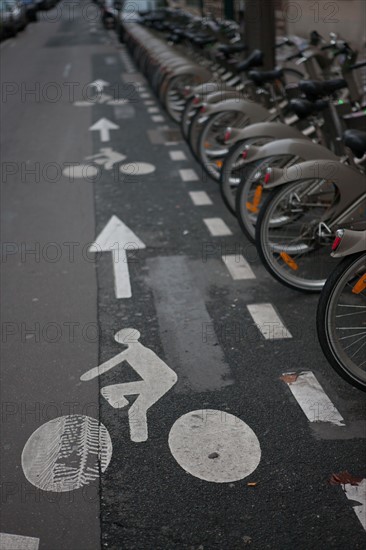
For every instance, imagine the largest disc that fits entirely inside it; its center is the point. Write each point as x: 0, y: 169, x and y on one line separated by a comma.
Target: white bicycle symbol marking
x: 70, y: 451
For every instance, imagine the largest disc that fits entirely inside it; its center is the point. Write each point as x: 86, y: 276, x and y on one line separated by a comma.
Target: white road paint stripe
x: 110, y: 60
x: 67, y: 69
x: 217, y: 227
x: 18, y: 542
x: 149, y: 102
x: 145, y: 95
x: 187, y: 174
x: 268, y: 321
x: 357, y: 493
x: 157, y: 118
x: 177, y: 155
x: 312, y: 399
x: 214, y: 446
x: 200, y: 198
x: 238, y: 267
x: 153, y: 109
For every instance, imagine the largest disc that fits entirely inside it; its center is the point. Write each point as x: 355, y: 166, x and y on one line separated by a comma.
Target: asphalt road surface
x: 195, y: 437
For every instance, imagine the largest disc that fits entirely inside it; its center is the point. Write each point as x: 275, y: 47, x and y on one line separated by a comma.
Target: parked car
x: 13, y: 17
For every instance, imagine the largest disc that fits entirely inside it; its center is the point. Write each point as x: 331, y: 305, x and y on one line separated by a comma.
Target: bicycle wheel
x: 211, y: 142
x: 292, y: 240
x: 250, y: 194
x: 341, y: 320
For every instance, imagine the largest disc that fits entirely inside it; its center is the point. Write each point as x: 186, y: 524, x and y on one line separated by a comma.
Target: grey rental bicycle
x: 341, y: 314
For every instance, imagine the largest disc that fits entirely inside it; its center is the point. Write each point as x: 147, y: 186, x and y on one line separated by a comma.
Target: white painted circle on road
x: 137, y: 168
x: 214, y: 446
x: 64, y: 454
x: 86, y: 171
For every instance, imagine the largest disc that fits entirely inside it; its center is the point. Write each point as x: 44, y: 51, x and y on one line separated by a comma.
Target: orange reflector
x: 289, y: 261
x: 207, y: 145
x: 219, y: 163
x: 251, y: 208
x: 360, y: 285
x: 257, y: 196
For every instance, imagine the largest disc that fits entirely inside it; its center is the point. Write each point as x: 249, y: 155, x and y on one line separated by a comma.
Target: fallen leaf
x: 289, y: 378
x: 343, y: 478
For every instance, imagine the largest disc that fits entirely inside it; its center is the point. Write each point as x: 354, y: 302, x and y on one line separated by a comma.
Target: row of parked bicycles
x: 288, y: 150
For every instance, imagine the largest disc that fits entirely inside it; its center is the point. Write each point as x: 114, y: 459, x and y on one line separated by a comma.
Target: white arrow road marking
x: 268, y: 321
x: 157, y: 380
x: 357, y: 494
x: 312, y: 398
x: 116, y: 237
x: 103, y: 126
x: 99, y: 84
x: 214, y: 446
x: 66, y: 453
x: 18, y: 542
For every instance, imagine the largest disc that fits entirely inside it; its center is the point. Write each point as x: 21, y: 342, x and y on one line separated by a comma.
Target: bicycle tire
x: 325, y: 333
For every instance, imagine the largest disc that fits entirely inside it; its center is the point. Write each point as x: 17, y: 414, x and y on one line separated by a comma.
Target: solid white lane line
x: 177, y: 155
x: 157, y: 118
x: 200, y: 198
x: 312, y: 399
x: 238, y: 267
x: 357, y: 493
x: 187, y: 174
x: 217, y: 227
x: 268, y: 321
x: 18, y: 542
x: 153, y: 109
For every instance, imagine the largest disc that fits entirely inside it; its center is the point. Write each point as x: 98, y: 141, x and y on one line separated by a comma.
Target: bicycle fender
x: 192, y: 70
x: 302, y: 148
x: 351, y: 243
x: 255, y: 111
x: 275, y: 130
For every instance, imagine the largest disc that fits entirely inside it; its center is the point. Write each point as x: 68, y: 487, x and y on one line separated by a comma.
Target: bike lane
x: 177, y: 489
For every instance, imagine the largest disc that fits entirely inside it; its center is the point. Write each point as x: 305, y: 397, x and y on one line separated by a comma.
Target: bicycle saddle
x: 356, y: 141
x: 317, y: 88
x: 261, y: 77
x: 255, y: 59
x: 303, y: 107
x: 202, y: 41
x: 228, y: 49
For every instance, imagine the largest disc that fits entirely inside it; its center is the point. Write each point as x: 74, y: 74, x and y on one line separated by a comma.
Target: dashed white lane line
x: 149, y: 102
x: 145, y: 96
x: 187, y: 174
x: 238, y: 267
x: 157, y: 118
x: 268, y: 321
x: 18, y: 542
x: 217, y: 227
x: 177, y: 155
x: 200, y: 198
x: 153, y: 109
x: 357, y: 493
x: 67, y: 70
x: 312, y: 398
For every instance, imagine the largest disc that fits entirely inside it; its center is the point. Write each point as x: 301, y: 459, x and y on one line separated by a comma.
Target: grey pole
x: 260, y: 32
